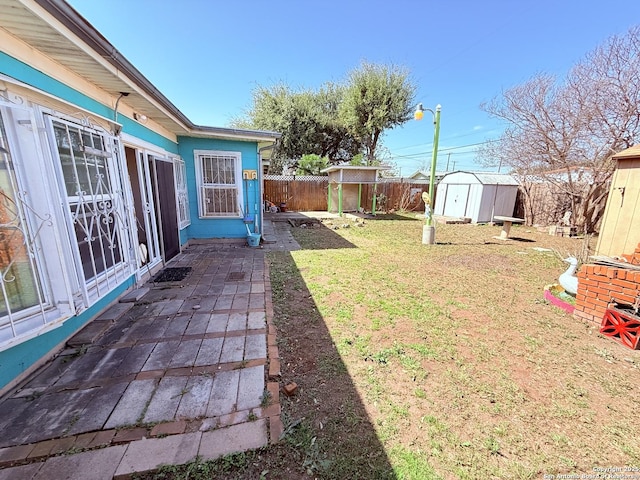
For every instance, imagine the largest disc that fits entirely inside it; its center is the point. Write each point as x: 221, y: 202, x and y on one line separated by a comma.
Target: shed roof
x: 487, y: 178
x: 335, y: 168
x: 631, y: 152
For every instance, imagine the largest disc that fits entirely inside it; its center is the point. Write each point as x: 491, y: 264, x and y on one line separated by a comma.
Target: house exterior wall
x: 620, y: 230
x: 208, y: 228
x: 68, y: 159
x: 72, y: 89
x: 30, y: 93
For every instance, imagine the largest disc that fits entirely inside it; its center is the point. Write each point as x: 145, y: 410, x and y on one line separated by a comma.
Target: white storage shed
x: 478, y: 196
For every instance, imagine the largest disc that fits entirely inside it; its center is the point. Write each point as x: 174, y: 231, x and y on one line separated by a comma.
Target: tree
x: 376, y: 98
x: 566, y: 133
x: 312, y: 164
x: 358, y: 160
x: 307, y: 120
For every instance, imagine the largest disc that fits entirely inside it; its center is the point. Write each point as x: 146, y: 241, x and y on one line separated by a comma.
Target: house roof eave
x: 158, y: 106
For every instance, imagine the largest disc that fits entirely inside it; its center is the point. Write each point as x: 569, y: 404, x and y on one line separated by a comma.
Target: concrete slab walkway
x: 176, y: 370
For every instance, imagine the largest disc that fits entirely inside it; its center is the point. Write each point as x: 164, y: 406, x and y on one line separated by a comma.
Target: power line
x: 420, y: 154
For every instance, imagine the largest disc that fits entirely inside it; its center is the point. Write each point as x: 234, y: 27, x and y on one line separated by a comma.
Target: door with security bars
x: 141, y: 174
x: 92, y: 184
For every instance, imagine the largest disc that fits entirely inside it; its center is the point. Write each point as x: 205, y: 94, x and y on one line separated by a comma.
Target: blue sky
x: 207, y: 56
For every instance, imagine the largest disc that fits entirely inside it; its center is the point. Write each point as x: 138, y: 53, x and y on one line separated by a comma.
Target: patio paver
x: 188, y: 357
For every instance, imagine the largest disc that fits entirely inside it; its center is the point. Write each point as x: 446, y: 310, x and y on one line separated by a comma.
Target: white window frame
x: 182, y: 195
x: 199, y: 156
x: 43, y: 222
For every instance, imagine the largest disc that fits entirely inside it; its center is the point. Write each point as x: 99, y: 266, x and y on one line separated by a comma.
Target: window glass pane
x: 99, y: 248
x: 221, y: 201
x: 219, y: 170
x: 19, y: 277
x: 220, y: 190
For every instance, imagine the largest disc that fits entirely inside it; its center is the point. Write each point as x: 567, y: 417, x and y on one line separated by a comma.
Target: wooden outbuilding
x: 620, y: 228
x: 345, y: 187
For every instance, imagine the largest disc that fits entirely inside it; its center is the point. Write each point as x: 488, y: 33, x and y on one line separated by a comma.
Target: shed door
x: 456, y: 202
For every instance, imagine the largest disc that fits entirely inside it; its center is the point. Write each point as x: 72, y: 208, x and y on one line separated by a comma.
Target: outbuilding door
x: 456, y: 200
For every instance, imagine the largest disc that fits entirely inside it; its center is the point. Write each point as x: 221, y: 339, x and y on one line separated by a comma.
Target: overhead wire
x: 459, y: 147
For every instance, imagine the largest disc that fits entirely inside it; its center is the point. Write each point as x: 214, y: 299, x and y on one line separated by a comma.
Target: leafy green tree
x: 307, y: 120
x: 312, y: 164
x: 358, y: 160
x: 338, y: 121
x: 376, y: 98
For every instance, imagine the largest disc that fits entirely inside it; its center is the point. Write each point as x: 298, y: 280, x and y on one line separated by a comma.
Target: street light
x: 429, y: 229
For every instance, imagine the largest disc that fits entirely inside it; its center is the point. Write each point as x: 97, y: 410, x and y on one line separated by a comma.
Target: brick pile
x: 599, y: 285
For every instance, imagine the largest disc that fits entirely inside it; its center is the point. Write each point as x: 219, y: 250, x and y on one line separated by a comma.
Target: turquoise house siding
x: 21, y: 71
x: 202, y: 228
x: 14, y: 361
x: 35, y: 78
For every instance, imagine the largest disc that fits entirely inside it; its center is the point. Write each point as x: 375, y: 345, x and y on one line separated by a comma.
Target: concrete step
x: 95, y: 328
x: 134, y: 295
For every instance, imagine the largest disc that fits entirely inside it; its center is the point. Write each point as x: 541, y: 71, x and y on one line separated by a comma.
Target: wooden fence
x: 307, y: 194
x: 546, y: 204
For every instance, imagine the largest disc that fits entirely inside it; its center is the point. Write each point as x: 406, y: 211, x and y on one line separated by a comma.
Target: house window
x: 34, y: 293
x: 219, y: 183
x: 19, y: 275
x: 92, y: 185
x: 184, y: 217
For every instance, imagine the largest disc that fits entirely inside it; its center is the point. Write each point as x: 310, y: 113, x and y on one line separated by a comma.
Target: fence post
x: 373, y: 200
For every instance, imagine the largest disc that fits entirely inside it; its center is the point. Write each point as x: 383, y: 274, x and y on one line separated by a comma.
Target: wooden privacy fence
x: 543, y: 203
x: 309, y: 193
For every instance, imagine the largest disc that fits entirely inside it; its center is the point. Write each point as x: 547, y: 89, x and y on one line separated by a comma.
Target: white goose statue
x: 568, y: 279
